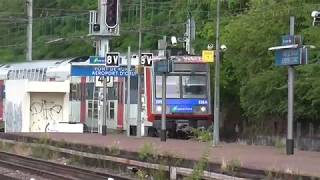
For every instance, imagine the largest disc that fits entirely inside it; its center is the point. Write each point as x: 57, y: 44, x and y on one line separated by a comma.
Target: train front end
x: 188, y: 97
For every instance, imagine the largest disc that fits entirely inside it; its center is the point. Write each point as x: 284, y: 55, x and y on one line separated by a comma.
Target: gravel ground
x: 19, y: 175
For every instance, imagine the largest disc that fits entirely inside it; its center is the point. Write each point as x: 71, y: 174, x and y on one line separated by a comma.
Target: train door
x: 112, y: 121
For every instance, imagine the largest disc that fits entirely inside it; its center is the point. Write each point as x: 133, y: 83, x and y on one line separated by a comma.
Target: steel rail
x: 52, y: 170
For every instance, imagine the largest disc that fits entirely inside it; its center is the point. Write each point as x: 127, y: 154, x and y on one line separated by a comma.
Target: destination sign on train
x: 100, y: 71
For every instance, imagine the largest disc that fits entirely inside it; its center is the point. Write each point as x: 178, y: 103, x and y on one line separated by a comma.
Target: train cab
x: 187, y: 95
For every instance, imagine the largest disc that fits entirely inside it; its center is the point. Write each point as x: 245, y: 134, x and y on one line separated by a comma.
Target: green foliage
x: 147, y: 152
x: 114, y: 149
x: 142, y: 175
x: 280, y: 145
x: 232, y: 166
x: 44, y: 139
x: 42, y: 151
x: 198, y: 169
x: 202, y: 135
x: 76, y: 160
x: 6, y: 147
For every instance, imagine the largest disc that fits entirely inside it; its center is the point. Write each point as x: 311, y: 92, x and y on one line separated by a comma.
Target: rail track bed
x: 50, y: 170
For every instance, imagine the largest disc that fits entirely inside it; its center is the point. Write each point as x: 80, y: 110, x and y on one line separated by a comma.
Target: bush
x: 231, y: 166
x: 147, y: 152
x: 197, y: 172
x: 202, y: 135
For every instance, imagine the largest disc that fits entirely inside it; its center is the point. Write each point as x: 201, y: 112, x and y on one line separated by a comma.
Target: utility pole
x: 190, y: 34
x: 290, y: 142
x: 189, y: 45
x: 29, y: 30
x: 128, y: 91
x: 216, y: 119
x: 139, y: 108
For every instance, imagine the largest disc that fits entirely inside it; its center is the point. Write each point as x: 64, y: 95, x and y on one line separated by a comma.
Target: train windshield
x: 173, y: 87
x: 183, y: 86
x: 194, y: 86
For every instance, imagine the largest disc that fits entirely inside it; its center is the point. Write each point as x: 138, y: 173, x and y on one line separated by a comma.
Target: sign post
x: 289, y: 142
x: 163, y: 132
x: 128, y: 92
x: 291, y: 53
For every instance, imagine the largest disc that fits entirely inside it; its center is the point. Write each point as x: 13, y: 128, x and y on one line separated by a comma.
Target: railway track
x: 52, y: 170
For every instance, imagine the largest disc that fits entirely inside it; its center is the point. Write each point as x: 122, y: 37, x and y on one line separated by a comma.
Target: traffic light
x: 112, y: 13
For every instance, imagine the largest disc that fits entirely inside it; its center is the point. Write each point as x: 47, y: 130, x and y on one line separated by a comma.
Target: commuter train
x: 188, y: 95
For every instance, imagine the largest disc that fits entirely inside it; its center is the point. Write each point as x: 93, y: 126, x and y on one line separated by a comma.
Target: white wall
x: 15, y: 101
x: 30, y: 106
x: 46, y: 111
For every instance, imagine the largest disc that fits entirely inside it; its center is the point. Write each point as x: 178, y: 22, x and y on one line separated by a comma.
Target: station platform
x: 263, y: 158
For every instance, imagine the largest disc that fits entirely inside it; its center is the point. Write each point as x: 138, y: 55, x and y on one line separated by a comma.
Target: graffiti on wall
x: 45, y: 115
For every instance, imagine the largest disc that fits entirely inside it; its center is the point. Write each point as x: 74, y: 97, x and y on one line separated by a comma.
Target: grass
x: 231, y: 166
x: 76, y: 160
x: 44, y: 139
x: 147, y: 152
x: 170, y: 158
x: 287, y: 175
x: 202, y: 135
x: 6, y: 147
x: 202, y: 164
x: 280, y: 145
x: 42, y: 151
x: 114, y: 149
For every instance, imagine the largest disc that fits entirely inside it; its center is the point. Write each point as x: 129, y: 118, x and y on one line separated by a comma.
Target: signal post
x: 103, y: 25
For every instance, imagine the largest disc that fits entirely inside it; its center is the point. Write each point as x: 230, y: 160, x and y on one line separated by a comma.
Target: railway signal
x: 112, y: 11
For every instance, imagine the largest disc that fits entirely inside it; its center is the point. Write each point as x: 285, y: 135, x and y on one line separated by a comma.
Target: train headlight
x: 203, y: 109
x: 158, y: 108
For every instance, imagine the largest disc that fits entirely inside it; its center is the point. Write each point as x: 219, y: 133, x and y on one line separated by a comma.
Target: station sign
x: 112, y: 59
x: 97, y: 60
x: 146, y: 59
x: 101, y: 71
x: 99, y: 81
x: 208, y: 56
x: 290, y: 39
x: 287, y: 40
x: 287, y: 57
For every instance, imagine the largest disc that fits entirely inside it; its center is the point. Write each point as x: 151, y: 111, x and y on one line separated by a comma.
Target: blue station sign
x: 285, y: 57
x: 100, y: 71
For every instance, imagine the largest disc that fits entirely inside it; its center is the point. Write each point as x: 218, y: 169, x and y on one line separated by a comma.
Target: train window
x: 194, y: 86
x: 89, y: 90
x: 190, y: 67
x: 111, y: 110
x: 74, y: 92
x: 173, y: 87
x: 158, y: 88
